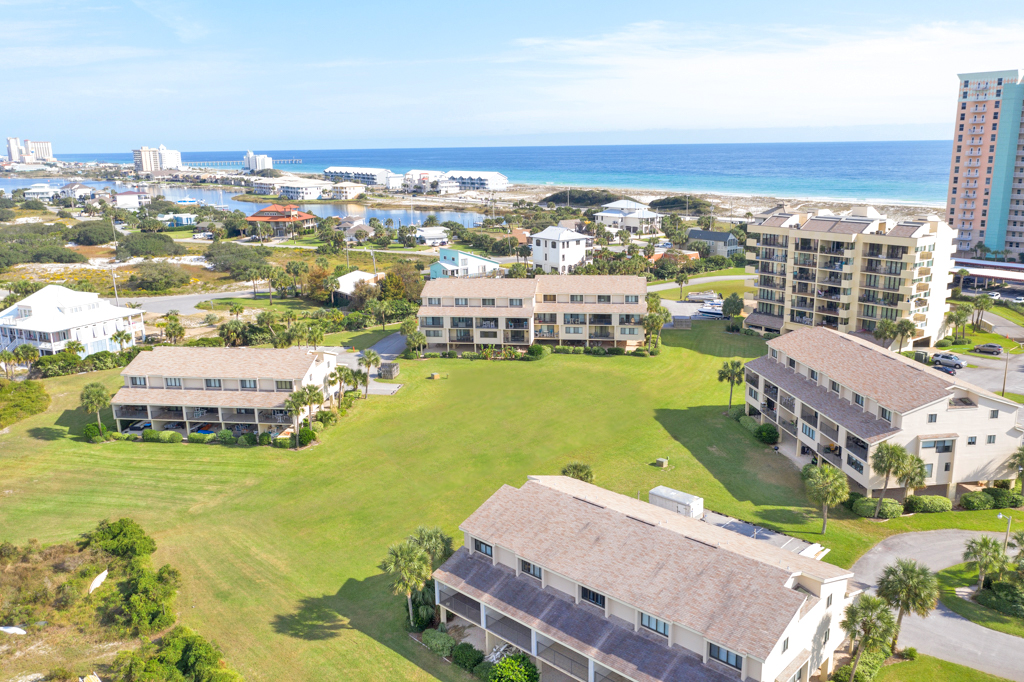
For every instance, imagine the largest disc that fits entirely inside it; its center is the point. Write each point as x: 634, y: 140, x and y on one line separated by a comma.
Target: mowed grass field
x: 279, y: 550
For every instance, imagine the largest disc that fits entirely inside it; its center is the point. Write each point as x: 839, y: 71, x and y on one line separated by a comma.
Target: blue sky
x: 107, y: 75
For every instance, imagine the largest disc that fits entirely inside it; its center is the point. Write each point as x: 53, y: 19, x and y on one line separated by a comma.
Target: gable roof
x: 224, y: 363
x: 557, y: 233
x: 709, y: 235
x: 54, y: 309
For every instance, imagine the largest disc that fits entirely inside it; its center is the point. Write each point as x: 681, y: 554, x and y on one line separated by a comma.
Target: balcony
x: 753, y: 379
x: 857, y: 447
x: 564, y: 659
x: 771, y: 414
x: 462, y: 323
x: 510, y: 631
x: 515, y: 337
x: 810, y: 248
x: 830, y: 431
x: 608, y: 677
x: 810, y: 418
x: 788, y: 402
x: 630, y: 319
x: 431, y: 323
x: 517, y: 324
x: 460, y: 337
x: 833, y: 455
x: 803, y: 305
x: 788, y: 425
x: 268, y: 417
x: 163, y: 413
x: 545, y: 334
x: 462, y: 605
x: 804, y: 277
x: 771, y: 391
x: 545, y: 318
x: 605, y: 320
x: 235, y: 418
x: 487, y: 323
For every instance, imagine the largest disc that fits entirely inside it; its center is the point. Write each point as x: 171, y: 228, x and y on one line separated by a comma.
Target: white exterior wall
x: 558, y: 256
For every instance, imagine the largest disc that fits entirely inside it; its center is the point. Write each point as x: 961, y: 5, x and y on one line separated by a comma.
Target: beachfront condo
x: 838, y: 397
x: 581, y: 310
x: 595, y: 585
x: 985, y: 196
x: 207, y: 390
x: 848, y: 272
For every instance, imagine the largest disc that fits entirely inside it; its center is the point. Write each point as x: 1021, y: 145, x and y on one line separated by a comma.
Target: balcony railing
x: 609, y: 677
x: 510, y: 631
x: 771, y: 391
x: 829, y: 431
x: 268, y: 417
x: 236, y: 418
x: 834, y: 456
x: 600, y: 335
x: 788, y: 402
x: 811, y: 419
x: 509, y: 324
x: 463, y: 605
x: 129, y: 413
x: 462, y: 325
x: 564, y: 659
x: 788, y: 426
x: 771, y: 414
x: 545, y: 335
x: 856, y: 448
x: 487, y: 325
x: 176, y: 415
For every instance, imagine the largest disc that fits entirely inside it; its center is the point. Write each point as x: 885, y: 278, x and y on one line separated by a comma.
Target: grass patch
x: 728, y: 272
x: 362, y: 339
x: 934, y: 670
x: 1008, y: 314
x: 983, y: 337
x: 298, y: 305
x: 724, y: 289
x: 1015, y: 397
x: 961, y: 576
x: 279, y: 550
x: 20, y: 399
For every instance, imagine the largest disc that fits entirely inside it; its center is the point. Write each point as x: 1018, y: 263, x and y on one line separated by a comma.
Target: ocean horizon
x: 904, y: 172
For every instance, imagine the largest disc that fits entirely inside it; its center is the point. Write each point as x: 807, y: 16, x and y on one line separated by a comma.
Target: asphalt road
x: 184, y: 304
x: 943, y: 634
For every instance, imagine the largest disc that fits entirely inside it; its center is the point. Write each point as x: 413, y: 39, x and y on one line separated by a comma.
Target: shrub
x: 563, y: 349
x: 1005, y: 484
x: 767, y: 434
x: 97, y: 439
x: 306, y: 436
x: 200, y: 437
x: 910, y: 653
x: 249, y: 439
x: 538, y: 350
x: 265, y: 438
x: 467, y: 355
x: 170, y: 437
x: 327, y: 418
x: 891, y: 509
x: 450, y: 354
x: 579, y: 470
x: 737, y: 411
x: 641, y: 353
x: 467, y: 656
x: 850, y: 501
x: 749, y: 423
x: 517, y: 668
x: 283, y: 443
x: 57, y: 365
x: 408, y: 354
x: 441, y: 643
x: 123, y: 538
x: 116, y: 435
x: 1004, y: 499
x: 225, y: 437
x: 151, y: 436
x: 159, y: 276
x: 91, y: 430
x: 317, y: 426
x: 599, y: 350
x: 206, y: 341
x: 432, y: 356
x: 60, y: 675
x: 577, y: 350
x: 870, y: 663
x: 483, y: 670
x: 927, y: 504
x: 999, y: 597
x: 976, y: 500
x: 943, y: 343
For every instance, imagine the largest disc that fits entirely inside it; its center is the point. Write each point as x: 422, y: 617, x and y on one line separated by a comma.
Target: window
x: 946, y: 468
x: 828, y: 602
x: 604, y: 299
x: 752, y: 393
x: 725, y: 656
x: 775, y: 354
x: 483, y: 548
x: 433, y: 301
x: 928, y: 470
x: 993, y: 414
x: 792, y: 363
x: 854, y: 463
x: 248, y: 383
x: 530, y: 569
x: 549, y: 298
x: 432, y: 332
x: 932, y: 418
x: 972, y: 440
x: 825, y: 638
x: 990, y: 440
x: 575, y: 298
x: 652, y: 623
x: 808, y: 431
x: 797, y: 676
x: 138, y: 381
x: 515, y: 302
x: 785, y: 645
x: 484, y: 335
x: 172, y: 383
x: 213, y: 383
x: 885, y: 414
x: 574, y: 330
x: 487, y: 301
x: 834, y: 385
x: 461, y: 302
x: 593, y: 597
x: 632, y: 299
x: 283, y: 385
x: 813, y: 374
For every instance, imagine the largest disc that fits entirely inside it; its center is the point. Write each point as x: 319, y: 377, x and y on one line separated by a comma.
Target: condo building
x: 478, y: 180
x: 148, y: 159
x: 598, y: 586
x: 985, y: 196
x: 605, y: 310
x: 210, y: 389
x: 848, y: 272
x: 371, y: 177
x: 838, y: 397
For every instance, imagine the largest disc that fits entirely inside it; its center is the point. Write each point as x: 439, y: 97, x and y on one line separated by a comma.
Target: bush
x: 123, y: 538
x: 974, y: 501
x: 1005, y: 484
x: 927, y: 504
x: 92, y: 430
x: 60, y: 675
x: 850, y: 501
x: 441, y: 643
x: 577, y: 350
x: 408, y: 354
x: 116, y: 435
x: 306, y: 436
x: 151, y: 436
x: 749, y: 423
x: 538, y: 350
x: 655, y: 351
x: 432, y: 356
x: 579, y: 470
x: 97, y: 439
x: 200, y: 437
x: 1004, y: 499
x: 870, y: 663
x: 149, y: 244
x: 249, y: 439
x: 562, y: 349
x: 467, y: 355
x: 205, y: 342
x: 170, y: 437
x: 943, y: 343
x: 517, y: 668
x: 641, y: 353
x: 225, y: 437
x: 158, y: 276
x: 317, y: 427
x: 598, y: 350
x: 737, y: 411
x: 327, y: 418
x: 467, y: 656
x: 265, y: 438
x: 910, y: 653
x: 483, y: 670
x: 1004, y: 597
x: 450, y: 354
x: 891, y: 509
x: 283, y: 443
x: 767, y: 434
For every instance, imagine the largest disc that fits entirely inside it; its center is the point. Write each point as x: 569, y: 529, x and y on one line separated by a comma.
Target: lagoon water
x: 914, y: 171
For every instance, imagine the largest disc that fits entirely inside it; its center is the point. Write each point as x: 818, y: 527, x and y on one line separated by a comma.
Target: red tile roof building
x: 283, y: 218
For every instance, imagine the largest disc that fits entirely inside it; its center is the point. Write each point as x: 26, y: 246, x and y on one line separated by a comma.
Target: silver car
x: 947, y: 360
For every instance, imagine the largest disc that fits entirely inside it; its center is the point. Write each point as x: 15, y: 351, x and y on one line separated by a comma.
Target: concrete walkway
x: 943, y: 634
x: 387, y: 348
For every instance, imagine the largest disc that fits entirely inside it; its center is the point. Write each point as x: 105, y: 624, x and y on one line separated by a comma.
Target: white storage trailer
x: 677, y: 501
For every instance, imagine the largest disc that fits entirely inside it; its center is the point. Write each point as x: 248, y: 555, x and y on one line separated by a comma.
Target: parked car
x: 994, y: 295
x: 993, y: 348
x: 1018, y: 299
x: 170, y: 426
x: 947, y: 360
x: 947, y: 370
x: 139, y: 426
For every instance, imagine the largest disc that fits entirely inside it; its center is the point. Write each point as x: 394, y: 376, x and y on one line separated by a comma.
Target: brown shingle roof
x: 765, y: 320
x: 905, y: 229
x: 592, y: 284
x: 676, y: 568
x: 224, y: 363
x: 153, y: 396
x: 476, y: 287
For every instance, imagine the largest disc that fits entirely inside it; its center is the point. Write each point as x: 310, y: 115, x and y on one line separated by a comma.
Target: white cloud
x: 176, y: 17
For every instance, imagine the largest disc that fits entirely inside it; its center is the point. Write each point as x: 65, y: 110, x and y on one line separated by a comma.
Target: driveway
x: 388, y: 348
x: 1003, y: 327
x: 943, y: 634
x: 989, y: 372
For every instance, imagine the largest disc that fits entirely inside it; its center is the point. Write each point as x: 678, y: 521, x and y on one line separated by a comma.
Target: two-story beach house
x: 210, y: 389
x: 837, y: 396
x: 598, y: 586
x: 54, y: 315
x: 560, y: 250
x: 606, y: 310
x: 629, y: 215
x: 455, y: 263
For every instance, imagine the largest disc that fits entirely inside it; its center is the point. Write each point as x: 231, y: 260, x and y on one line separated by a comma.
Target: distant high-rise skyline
x: 30, y: 152
x: 985, y: 200
x: 148, y: 159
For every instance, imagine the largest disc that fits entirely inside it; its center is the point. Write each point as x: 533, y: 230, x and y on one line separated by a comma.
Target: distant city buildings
x: 347, y: 191
x: 985, y: 197
x: 148, y: 159
x: 32, y: 151
x: 470, y: 180
x: 131, y: 200
x: 283, y: 219
x: 257, y: 162
x: 372, y: 177
x: 419, y: 180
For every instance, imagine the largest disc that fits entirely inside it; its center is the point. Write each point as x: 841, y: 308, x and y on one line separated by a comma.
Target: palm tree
x: 295, y: 404
x: 95, y: 398
x: 961, y: 273
x: 268, y: 318
x: 1016, y: 459
x: 682, y: 279
x: 77, y: 347
x: 434, y: 542
x: 889, y: 459
x: 311, y: 395
x: 913, y: 477
x: 732, y: 371
x: 174, y: 331
x: 885, y: 331
x: 288, y: 317
x: 236, y: 309
x: 121, y: 337
x: 369, y: 359
x: 868, y: 622
x: 344, y: 375
x: 363, y: 378
x: 1017, y: 542
x: 984, y: 553
x: 315, y: 335
x: 26, y: 354
x: 982, y: 304
x: 417, y: 340
x: 908, y: 587
x: 8, y: 359
x: 409, y: 566
x: 905, y: 330
x: 232, y: 332
x: 828, y: 487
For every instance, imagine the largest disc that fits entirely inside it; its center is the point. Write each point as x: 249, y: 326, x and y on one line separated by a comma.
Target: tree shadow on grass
x: 710, y: 338
x: 315, y: 618
x: 47, y: 433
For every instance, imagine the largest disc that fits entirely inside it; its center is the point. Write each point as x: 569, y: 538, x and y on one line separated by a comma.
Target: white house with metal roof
x: 560, y: 250
x: 54, y: 315
x: 631, y: 215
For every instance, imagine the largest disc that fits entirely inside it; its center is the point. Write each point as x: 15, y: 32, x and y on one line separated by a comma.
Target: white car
x: 994, y: 295
x: 1019, y: 299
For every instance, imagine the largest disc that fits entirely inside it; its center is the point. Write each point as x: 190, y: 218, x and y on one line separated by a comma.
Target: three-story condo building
x: 210, y: 389
x: 606, y: 310
x: 839, y: 397
x: 599, y: 587
x: 849, y: 272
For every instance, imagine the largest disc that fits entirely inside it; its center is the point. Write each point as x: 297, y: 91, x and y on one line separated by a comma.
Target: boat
x: 187, y: 201
x: 702, y: 296
x: 710, y: 312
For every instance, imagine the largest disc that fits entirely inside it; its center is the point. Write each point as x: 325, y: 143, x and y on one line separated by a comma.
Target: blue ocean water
x: 915, y: 171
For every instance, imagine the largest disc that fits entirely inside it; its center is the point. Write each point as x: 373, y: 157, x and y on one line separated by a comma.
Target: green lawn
x: 1008, y: 314
x: 723, y: 288
x: 928, y: 669
x: 298, y: 305
x: 1015, y: 397
x: 983, y: 337
x: 730, y: 272
x: 279, y: 550
x: 361, y: 339
x: 959, y: 576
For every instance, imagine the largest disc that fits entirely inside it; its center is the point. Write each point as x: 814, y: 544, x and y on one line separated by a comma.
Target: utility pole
x: 113, y: 277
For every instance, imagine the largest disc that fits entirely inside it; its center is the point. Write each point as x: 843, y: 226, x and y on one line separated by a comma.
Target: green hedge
x: 891, y: 509
x: 170, y: 437
x: 976, y: 500
x: 870, y: 663
x: 20, y: 399
x: 927, y: 504
x: 850, y: 501
x: 1005, y: 597
x: 1004, y: 499
x: 767, y: 434
x: 441, y: 643
x: 467, y: 656
x: 151, y: 436
x: 483, y: 670
x: 200, y: 437
x: 749, y: 423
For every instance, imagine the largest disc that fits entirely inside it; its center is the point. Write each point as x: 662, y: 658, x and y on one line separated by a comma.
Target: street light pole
x: 1009, y: 520
x: 1006, y: 368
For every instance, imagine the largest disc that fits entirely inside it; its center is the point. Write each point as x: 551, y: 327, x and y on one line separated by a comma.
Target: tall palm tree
x: 295, y: 404
x: 288, y: 317
x: 120, y: 337
x: 682, y: 279
x: 905, y: 330
x: 885, y: 331
x: 828, y: 487
x: 869, y: 623
x: 417, y: 340
x: 95, y: 398
x: 369, y: 359
x: 409, y: 566
x: 363, y: 378
x: 982, y: 304
x: 434, y: 542
x: 268, y: 318
x: 889, y: 459
x: 76, y: 347
x: 315, y: 335
x: 732, y: 371
x: 8, y: 359
x: 984, y: 553
x: 236, y: 309
x: 908, y: 587
x: 914, y: 475
x: 345, y: 377
x: 1016, y: 461
x: 311, y: 395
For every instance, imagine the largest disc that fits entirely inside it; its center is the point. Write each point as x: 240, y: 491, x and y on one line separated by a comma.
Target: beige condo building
x: 848, y: 272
